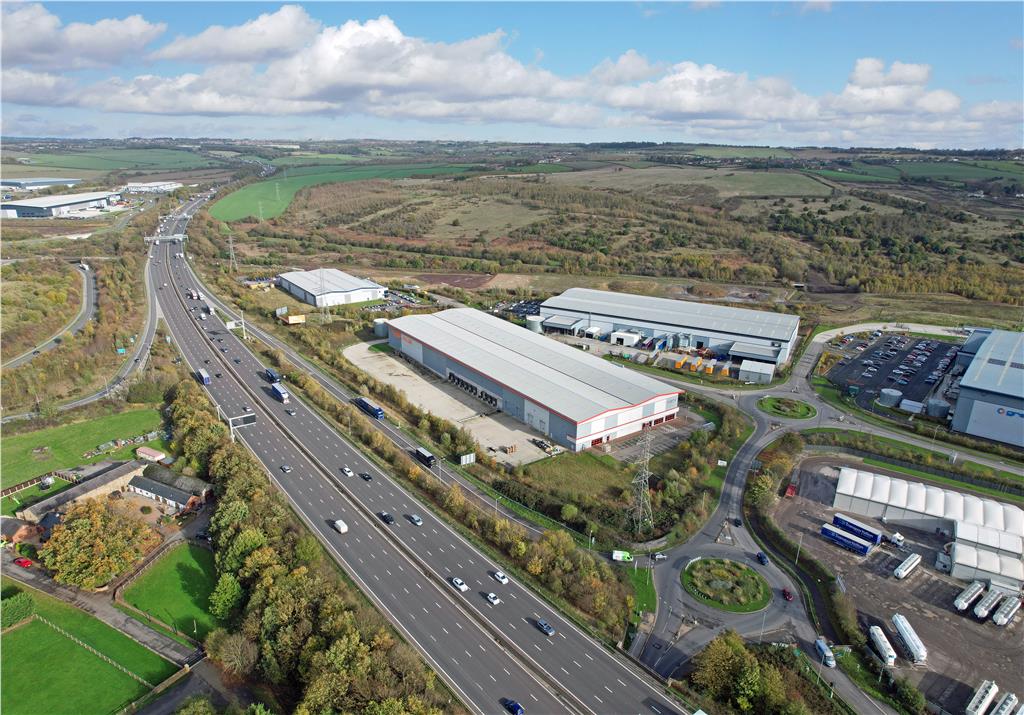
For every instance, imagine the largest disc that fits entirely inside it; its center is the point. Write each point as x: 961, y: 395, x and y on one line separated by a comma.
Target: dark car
x: 762, y: 558
x: 515, y: 708
x: 204, y: 536
x: 545, y: 627
x: 386, y: 518
x: 787, y: 594
x: 366, y: 476
x: 737, y: 522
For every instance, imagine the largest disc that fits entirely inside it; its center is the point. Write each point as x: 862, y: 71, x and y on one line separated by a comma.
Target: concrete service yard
x: 962, y: 651
x: 493, y: 430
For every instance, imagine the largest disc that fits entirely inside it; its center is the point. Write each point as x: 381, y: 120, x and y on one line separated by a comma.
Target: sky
x: 917, y: 74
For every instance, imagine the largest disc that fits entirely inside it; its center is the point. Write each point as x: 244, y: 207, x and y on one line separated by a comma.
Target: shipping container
x: 280, y: 392
x: 907, y: 567
x: 846, y: 540
x: 915, y: 647
x: 983, y: 697
x: 825, y: 656
x: 204, y: 376
x: 371, y: 408
x: 988, y: 603
x: 882, y: 646
x: 968, y: 596
x: 1005, y: 613
x: 857, y: 528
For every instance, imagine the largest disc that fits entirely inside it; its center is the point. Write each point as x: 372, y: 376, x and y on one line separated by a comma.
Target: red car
x: 23, y: 562
x: 786, y: 594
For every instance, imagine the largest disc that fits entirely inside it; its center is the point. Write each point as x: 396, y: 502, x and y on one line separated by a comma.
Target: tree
x: 226, y: 596
x: 911, y: 697
x: 233, y: 651
x: 307, y: 549
x: 93, y: 544
x: 196, y: 705
x: 569, y: 512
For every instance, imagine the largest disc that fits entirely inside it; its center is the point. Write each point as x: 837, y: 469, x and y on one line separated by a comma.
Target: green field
x: 67, y: 443
x: 76, y: 681
x: 27, y: 497
x: 741, y: 152
x: 594, y: 475
x: 308, y: 159
x: 726, y: 585
x: 535, y: 169
x: 643, y: 591
x: 176, y: 590
x: 727, y: 182
x: 849, y: 176
x: 274, y: 195
x: 950, y: 171
x: 128, y: 159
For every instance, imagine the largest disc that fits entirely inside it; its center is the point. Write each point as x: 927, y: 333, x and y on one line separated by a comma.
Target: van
x: 340, y: 526
x: 824, y: 653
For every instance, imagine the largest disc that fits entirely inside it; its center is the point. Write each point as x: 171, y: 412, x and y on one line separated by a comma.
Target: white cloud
x: 630, y: 66
x: 22, y: 86
x: 902, y: 89
x: 33, y: 36
x: 269, y: 36
x: 816, y: 6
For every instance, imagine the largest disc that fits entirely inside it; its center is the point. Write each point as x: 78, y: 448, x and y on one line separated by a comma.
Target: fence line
x: 93, y: 650
x: 58, y: 474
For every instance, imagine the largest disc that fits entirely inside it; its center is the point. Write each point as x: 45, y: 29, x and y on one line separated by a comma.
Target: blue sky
x: 920, y: 74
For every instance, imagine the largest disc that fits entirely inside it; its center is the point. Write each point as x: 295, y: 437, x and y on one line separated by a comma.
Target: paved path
x: 86, y: 313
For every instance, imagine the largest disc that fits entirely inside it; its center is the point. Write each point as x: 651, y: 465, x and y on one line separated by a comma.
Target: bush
x: 16, y: 609
x: 146, y: 509
x: 28, y: 551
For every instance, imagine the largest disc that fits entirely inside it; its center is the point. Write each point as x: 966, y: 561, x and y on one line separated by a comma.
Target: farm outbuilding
x: 727, y: 331
x: 568, y: 395
x: 325, y: 287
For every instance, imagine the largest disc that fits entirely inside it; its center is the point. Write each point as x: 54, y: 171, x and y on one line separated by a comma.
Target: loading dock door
x: 536, y: 417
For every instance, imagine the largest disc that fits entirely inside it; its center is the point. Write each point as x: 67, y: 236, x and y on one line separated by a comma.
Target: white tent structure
x: 973, y: 564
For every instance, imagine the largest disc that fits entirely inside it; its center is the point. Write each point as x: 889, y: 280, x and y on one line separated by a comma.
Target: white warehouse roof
x: 933, y: 501
x: 999, y: 365
x: 758, y: 368
x: 47, y: 202
x: 988, y: 538
x: 333, y: 280
x: 563, y: 379
x: 989, y: 561
x: 679, y: 313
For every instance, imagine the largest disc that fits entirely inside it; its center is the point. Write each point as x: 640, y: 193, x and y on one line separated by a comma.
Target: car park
x: 460, y: 584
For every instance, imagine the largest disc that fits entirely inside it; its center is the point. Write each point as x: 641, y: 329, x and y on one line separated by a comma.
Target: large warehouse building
x: 738, y: 333
x: 151, y: 187
x: 988, y: 534
x: 41, y: 182
x: 48, y: 206
x: 991, y: 401
x: 573, y: 398
x: 329, y: 286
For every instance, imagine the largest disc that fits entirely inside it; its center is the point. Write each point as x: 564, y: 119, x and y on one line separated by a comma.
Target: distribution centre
x: 573, y: 398
x: 991, y: 401
x: 739, y: 333
x: 325, y: 287
x: 46, y: 206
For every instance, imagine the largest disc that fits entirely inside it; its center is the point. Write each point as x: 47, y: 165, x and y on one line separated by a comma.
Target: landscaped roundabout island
x: 726, y: 585
x: 785, y: 407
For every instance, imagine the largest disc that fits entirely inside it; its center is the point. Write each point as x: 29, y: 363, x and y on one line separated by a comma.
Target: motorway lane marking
x: 438, y: 605
x: 412, y: 616
x: 388, y: 572
x: 599, y: 700
x: 609, y: 690
x: 506, y: 672
x: 534, y: 698
x: 482, y: 647
x: 468, y: 655
x: 360, y: 560
x: 432, y: 637
x: 538, y: 648
x: 406, y: 591
x: 622, y: 684
x: 563, y: 670
x: 492, y: 677
x: 445, y: 630
x: 472, y: 562
x: 588, y: 655
x: 425, y: 610
x: 459, y: 625
x: 577, y: 664
x: 512, y: 624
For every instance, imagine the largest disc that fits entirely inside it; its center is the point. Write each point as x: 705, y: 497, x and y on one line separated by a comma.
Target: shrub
x: 16, y: 609
x: 146, y: 509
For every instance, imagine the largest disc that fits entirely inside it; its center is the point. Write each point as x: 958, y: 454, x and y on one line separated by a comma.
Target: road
x: 485, y: 652
x: 86, y: 312
x: 137, y: 358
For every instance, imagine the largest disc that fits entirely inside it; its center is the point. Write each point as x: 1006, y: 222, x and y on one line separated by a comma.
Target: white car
x: 285, y: 468
x: 347, y: 472
x: 492, y: 598
x: 340, y: 526
x: 500, y: 578
x: 460, y: 584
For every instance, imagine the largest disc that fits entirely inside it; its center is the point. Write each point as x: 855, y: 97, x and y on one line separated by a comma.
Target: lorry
x: 986, y: 604
x: 272, y: 375
x: 847, y: 540
x: 203, y: 376
x: 882, y: 646
x: 622, y: 556
x: 1005, y: 613
x: 825, y: 655
x: 857, y: 528
x: 280, y: 392
x: 369, y: 407
x: 425, y: 458
x: 969, y: 595
x: 907, y: 567
x: 983, y: 697
x: 911, y: 641
x: 1006, y: 705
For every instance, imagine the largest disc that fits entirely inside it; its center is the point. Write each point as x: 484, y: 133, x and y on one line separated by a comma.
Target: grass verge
x: 786, y: 407
x: 176, y: 590
x: 644, y: 594
x: 726, y: 585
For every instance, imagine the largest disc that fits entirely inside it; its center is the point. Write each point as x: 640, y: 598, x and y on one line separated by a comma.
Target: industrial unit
x: 41, y: 182
x: 737, y: 333
x: 991, y: 401
x: 987, y: 533
x: 574, y: 398
x: 151, y: 187
x: 47, y: 206
x: 325, y: 287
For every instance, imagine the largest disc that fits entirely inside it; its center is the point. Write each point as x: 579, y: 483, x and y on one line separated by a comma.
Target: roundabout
x: 786, y: 407
x: 726, y: 585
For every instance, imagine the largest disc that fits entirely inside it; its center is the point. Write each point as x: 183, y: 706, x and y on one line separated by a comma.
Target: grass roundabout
x: 726, y: 585
x: 785, y: 407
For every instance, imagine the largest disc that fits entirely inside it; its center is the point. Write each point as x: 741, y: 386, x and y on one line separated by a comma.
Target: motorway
x: 484, y: 652
x: 85, y: 314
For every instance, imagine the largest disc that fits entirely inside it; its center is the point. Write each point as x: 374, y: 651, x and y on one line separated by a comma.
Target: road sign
x: 246, y: 420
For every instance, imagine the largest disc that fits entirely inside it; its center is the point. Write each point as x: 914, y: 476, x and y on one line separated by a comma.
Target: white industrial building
x: 325, y: 287
x: 989, y: 535
x: 991, y: 401
x: 36, y: 183
x: 49, y: 206
x: 568, y: 395
x: 152, y: 187
x: 760, y: 373
x: 737, y: 333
